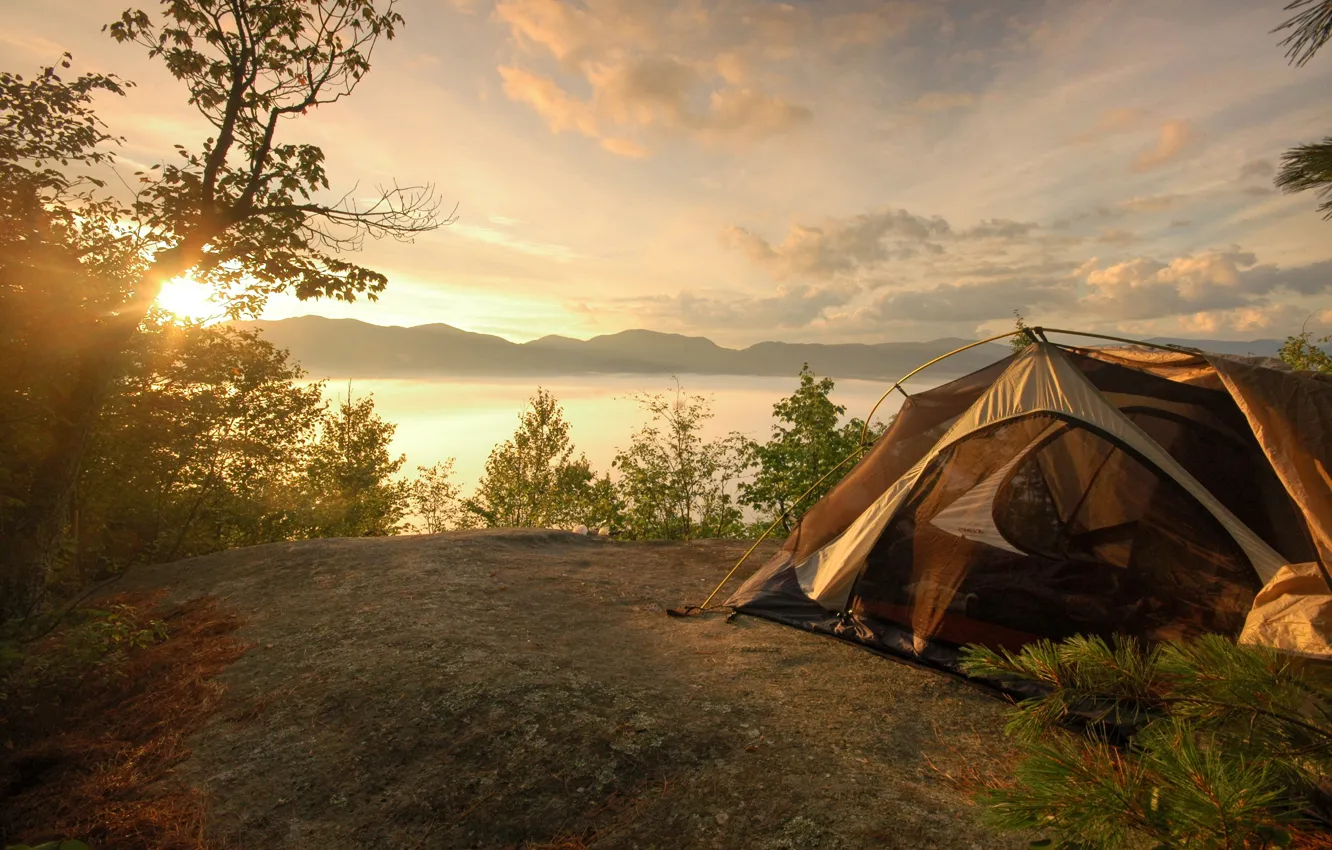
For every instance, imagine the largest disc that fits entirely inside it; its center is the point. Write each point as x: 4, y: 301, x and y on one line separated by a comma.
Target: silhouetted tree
x: 244, y: 212
x: 352, y: 492
x: 534, y: 479
x: 675, y: 484
x: 437, y: 498
x: 807, y: 443
x: 203, y: 445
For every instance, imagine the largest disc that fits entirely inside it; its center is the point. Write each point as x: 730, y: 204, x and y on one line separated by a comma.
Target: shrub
x: 1199, y: 743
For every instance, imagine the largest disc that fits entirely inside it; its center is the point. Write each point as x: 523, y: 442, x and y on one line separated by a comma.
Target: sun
x: 188, y: 299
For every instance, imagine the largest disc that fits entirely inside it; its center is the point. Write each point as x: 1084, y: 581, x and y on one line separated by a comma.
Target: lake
x: 464, y: 419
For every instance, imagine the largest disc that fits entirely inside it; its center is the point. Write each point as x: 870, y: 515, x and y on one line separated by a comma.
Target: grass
x: 94, y: 718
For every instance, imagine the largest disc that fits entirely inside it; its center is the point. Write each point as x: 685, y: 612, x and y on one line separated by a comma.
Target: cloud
x: 973, y: 302
x: 922, y: 269
x: 1000, y: 228
x: 938, y: 101
x: 1112, y: 122
x: 1173, y: 138
x: 1312, y: 279
x: 489, y: 235
x: 47, y: 50
x: 1154, y: 203
x: 1260, y: 168
x: 790, y: 306
x: 698, y: 72
x: 1145, y: 288
x: 1116, y: 236
x: 560, y: 110
x: 651, y: 93
x: 837, y: 246
x: 627, y: 148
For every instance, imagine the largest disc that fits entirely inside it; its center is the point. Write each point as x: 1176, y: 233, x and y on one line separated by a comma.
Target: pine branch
x: 1309, y: 167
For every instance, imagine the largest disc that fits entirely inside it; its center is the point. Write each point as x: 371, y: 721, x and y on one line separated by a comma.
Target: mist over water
x: 464, y: 419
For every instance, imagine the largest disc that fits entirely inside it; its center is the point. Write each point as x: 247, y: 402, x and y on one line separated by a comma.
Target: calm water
x: 439, y: 419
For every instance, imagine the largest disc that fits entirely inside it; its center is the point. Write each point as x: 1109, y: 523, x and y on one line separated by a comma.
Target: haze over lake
x: 442, y: 418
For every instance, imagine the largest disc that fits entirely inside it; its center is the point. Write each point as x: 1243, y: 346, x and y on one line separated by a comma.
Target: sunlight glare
x: 188, y: 299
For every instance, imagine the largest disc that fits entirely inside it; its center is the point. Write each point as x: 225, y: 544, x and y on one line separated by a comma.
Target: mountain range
x: 348, y: 348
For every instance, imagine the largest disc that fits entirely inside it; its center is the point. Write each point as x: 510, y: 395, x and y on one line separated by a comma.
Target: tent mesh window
x: 1205, y: 431
x: 922, y: 421
x: 1041, y: 528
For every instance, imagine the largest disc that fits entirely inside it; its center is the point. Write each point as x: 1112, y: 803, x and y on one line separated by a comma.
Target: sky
x: 832, y: 171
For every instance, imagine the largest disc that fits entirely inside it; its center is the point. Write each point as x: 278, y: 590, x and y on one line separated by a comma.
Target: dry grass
x: 1311, y: 840
x: 957, y: 765
x: 87, y: 765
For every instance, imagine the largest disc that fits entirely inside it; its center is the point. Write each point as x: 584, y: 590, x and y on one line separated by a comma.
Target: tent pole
x: 859, y: 450
x: 864, y: 432
x: 1178, y: 349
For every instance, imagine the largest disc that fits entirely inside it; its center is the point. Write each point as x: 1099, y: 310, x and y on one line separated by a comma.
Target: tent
x: 1160, y: 493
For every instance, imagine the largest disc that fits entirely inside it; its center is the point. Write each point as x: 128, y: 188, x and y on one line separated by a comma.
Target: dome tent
x: 1064, y: 490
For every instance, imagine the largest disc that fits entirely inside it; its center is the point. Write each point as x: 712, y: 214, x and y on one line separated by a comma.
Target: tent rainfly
x: 1062, y: 491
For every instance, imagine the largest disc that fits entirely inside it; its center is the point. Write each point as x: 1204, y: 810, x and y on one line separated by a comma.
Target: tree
x: 201, y: 446
x: 1309, y: 166
x: 1228, y: 746
x: 351, y: 489
x: 807, y: 445
x: 244, y: 212
x: 675, y: 484
x: 533, y: 479
x: 1019, y: 341
x: 436, y: 498
x: 1305, y: 353
x: 62, y: 268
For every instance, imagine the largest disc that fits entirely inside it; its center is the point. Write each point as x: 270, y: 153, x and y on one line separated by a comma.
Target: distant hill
x: 1257, y: 347
x: 355, y: 349
x: 351, y: 348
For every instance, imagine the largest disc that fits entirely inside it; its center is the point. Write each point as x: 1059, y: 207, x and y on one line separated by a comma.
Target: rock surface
x: 525, y: 689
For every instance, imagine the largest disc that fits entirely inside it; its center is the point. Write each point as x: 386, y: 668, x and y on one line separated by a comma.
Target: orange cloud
x: 1112, y: 122
x: 681, y: 69
x: 550, y: 101
x: 938, y: 101
x: 1172, y: 139
x: 627, y: 148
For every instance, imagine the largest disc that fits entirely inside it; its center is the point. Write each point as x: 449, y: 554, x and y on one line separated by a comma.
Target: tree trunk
x: 28, y: 557
x: 39, y: 535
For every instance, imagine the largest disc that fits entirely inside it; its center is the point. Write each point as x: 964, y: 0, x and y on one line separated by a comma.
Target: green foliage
x: 534, y: 480
x: 89, y: 651
x: 1230, y: 745
x: 807, y: 445
x: 245, y: 212
x: 1305, y: 353
x: 437, y: 499
x: 351, y: 489
x: 64, y: 266
x: 1310, y: 28
x: 1019, y: 342
x: 1308, y: 167
x: 675, y: 485
x: 202, y: 446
